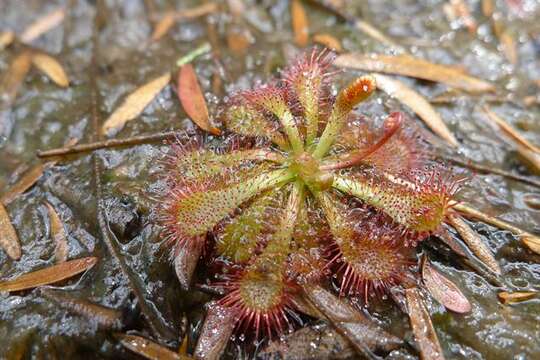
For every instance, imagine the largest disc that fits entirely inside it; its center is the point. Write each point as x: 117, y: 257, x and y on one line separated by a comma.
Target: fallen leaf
x: 475, y: 243
x: 26, y: 181
x: 424, y: 333
x: 51, y: 67
x: 6, y: 38
x: 531, y: 159
x: 377, y: 35
x: 418, y: 104
x: 58, y: 234
x: 196, y: 11
x: 147, y: 349
x: 532, y: 242
x: 238, y: 40
x: 14, y: 77
x: 216, y: 331
x: 49, y: 275
x: 42, y: 25
x: 413, y: 67
x: 134, y: 104
x: 487, y: 7
x: 508, y: 46
x: 515, y: 297
x: 444, y: 290
x: 509, y: 130
x: 104, y: 317
x: 328, y: 41
x: 300, y: 23
x: 8, y: 237
x: 163, y: 26
x: 192, y: 99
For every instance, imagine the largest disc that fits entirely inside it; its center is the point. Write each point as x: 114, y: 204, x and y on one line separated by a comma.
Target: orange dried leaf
x: 418, y: 104
x: 52, y: 68
x: 25, y: 183
x: 509, y: 130
x: 163, y: 26
x: 58, y: 234
x: 49, y: 275
x: 42, y: 25
x: 8, y: 237
x: 192, y: 99
x: 14, y: 77
x: 6, y: 38
x: 423, y: 330
x: 409, y: 66
x: 238, y: 41
x: 487, y: 8
x: 444, y: 290
x: 134, y: 104
x: 148, y: 349
x: 299, y: 23
x: 515, y: 297
x: 532, y: 242
x: 329, y: 41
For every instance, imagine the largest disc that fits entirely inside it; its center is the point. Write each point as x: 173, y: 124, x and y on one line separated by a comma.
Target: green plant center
x: 307, y: 169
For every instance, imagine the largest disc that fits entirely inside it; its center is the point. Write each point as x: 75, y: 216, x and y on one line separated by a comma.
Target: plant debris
x: 8, y: 237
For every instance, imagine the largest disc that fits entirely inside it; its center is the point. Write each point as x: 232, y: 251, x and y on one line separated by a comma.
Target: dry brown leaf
x: 508, y: 47
x: 418, y: 104
x: 329, y: 41
x: 195, y: 12
x: 49, y: 275
x: 192, y: 99
x: 509, y: 130
x: 300, y: 23
x: 515, y: 297
x: 51, y: 67
x: 42, y: 25
x: 163, y: 26
x: 134, y: 104
x: 6, y: 38
x: 488, y: 8
x: 530, y: 240
x: 148, y: 349
x: 444, y: 290
x: 423, y: 330
x: 216, y: 331
x: 27, y: 181
x: 58, y: 234
x: 104, y: 317
x: 475, y: 243
x: 377, y: 35
x: 14, y: 77
x: 409, y: 66
x: 8, y: 237
x: 530, y: 159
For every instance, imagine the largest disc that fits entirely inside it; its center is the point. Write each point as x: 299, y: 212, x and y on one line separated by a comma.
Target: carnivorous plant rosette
x: 324, y: 196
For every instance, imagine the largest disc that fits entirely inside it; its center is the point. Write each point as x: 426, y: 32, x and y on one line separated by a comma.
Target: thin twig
x: 491, y: 170
x: 158, y: 327
x: 111, y: 143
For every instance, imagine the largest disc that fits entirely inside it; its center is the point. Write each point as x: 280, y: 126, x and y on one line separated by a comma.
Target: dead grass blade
x: 328, y: 41
x: 134, y: 104
x: 422, y: 327
x: 25, y: 183
x: 6, y: 38
x: 198, y: 11
x: 14, y: 77
x: 104, y: 317
x: 51, y: 67
x: 8, y: 237
x: 418, y: 104
x: 147, y: 348
x: 58, y: 234
x: 530, y: 240
x: 192, y: 99
x: 515, y: 297
x: 529, y: 158
x: 475, y: 243
x: 49, y: 275
x: 509, y: 130
x: 42, y: 25
x: 163, y: 26
x: 300, y: 23
x: 377, y: 35
x: 413, y: 67
x: 444, y: 290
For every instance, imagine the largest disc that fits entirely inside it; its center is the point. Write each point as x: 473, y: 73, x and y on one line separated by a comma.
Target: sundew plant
x: 312, y: 193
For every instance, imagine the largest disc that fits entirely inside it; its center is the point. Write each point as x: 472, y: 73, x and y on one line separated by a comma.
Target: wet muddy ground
x: 45, y: 116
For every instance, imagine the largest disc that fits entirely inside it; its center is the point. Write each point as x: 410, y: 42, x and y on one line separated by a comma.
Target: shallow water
x: 45, y: 116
